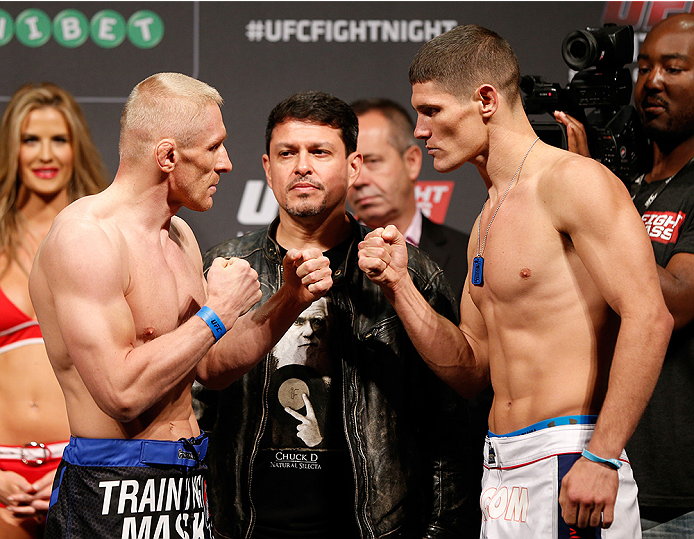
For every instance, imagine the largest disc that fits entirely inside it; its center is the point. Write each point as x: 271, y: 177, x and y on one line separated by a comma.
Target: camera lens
x: 577, y: 49
x: 580, y: 50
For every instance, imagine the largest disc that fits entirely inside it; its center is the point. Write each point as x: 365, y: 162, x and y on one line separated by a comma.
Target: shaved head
x: 165, y: 105
x: 680, y: 21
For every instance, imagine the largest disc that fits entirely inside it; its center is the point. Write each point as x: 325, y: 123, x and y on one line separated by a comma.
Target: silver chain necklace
x: 478, y: 261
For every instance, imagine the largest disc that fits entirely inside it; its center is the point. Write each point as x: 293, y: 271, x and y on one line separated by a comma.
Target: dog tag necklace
x: 478, y: 261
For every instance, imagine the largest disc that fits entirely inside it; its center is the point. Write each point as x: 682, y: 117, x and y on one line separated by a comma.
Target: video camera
x: 598, y: 96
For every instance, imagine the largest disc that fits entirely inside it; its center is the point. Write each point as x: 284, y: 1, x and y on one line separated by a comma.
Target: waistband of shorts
x: 510, y: 452
x: 33, y: 453
x: 549, y: 423
x: 134, y: 452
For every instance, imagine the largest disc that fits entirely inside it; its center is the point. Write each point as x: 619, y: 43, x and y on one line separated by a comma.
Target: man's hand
x: 383, y: 257
x: 575, y: 133
x: 588, y: 494
x: 307, y: 429
x: 232, y: 288
x: 307, y: 273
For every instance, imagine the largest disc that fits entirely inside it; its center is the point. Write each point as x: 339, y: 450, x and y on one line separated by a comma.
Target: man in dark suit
x: 384, y: 192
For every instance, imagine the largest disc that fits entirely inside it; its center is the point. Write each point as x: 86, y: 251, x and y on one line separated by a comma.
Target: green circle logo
x: 70, y: 28
x: 33, y: 27
x: 145, y: 29
x: 6, y: 27
x: 108, y: 28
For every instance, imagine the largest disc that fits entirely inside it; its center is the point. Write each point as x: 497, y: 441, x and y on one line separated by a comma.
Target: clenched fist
x: 307, y: 274
x: 383, y: 256
x: 232, y: 288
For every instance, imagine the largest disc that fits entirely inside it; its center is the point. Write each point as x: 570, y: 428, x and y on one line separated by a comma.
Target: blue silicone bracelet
x: 212, y: 320
x: 614, y: 463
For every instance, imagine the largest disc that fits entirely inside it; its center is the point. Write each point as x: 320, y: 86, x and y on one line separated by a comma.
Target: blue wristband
x: 212, y: 320
x: 613, y: 463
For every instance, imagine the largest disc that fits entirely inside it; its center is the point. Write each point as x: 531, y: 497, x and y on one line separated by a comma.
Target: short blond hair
x: 165, y: 105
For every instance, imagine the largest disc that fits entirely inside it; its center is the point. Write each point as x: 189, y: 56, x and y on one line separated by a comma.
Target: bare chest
x: 524, y: 256
x: 165, y: 289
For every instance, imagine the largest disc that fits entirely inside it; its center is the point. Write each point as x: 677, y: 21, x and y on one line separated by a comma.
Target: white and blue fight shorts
x: 522, y: 476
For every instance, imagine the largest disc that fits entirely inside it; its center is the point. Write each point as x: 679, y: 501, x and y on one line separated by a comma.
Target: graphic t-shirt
x: 303, y: 485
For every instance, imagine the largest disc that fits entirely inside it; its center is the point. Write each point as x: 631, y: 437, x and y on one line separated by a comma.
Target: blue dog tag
x: 477, y: 273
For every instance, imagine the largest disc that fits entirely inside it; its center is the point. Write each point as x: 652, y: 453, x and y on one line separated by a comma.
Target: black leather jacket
x: 407, y: 433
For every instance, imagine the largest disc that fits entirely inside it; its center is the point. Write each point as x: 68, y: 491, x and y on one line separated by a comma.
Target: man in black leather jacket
x: 390, y: 453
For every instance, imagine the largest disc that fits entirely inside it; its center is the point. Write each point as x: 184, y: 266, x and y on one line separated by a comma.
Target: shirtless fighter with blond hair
x: 561, y: 306
x: 129, y: 321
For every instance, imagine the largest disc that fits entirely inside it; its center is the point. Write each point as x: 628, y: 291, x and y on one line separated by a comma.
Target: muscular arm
x: 677, y: 278
x: 92, y: 323
x: 307, y: 277
x: 596, y: 213
x: 454, y: 353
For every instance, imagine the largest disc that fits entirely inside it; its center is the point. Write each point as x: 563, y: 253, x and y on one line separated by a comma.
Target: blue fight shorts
x: 522, y: 476
x: 110, y: 488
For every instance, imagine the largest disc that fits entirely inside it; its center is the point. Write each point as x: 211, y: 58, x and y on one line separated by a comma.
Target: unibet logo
x: 71, y: 28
